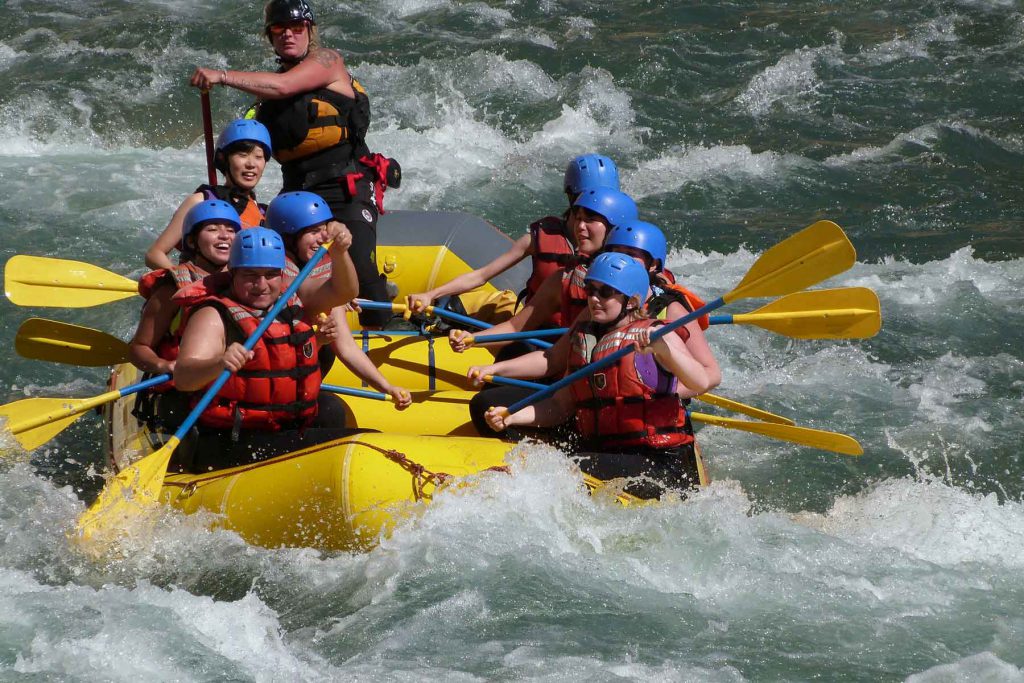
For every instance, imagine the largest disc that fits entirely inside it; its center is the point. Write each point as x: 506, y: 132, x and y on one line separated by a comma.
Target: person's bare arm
x: 158, y: 255
x: 203, y: 353
x: 320, y: 296
x: 324, y: 67
x: 697, y: 345
x: 156, y: 320
x: 471, y: 280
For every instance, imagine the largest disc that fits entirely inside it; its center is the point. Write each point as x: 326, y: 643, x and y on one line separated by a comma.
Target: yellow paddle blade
x: 843, y: 313
x: 133, y: 488
x: 22, y: 417
x: 34, y: 421
x: 744, y: 409
x: 50, y: 340
x: 814, y: 254
x: 40, y: 281
x: 805, y: 436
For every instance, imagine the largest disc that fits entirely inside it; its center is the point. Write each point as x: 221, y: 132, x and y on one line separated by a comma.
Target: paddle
x: 814, y: 254
x: 430, y: 310
x: 204, y: 102
x: 34, y: 421
x: 41, y: 339
x: 779, y: 427
x: 843, y: 313
x: 41, y: 281
x: 362, y: 393
x: 142, y: 481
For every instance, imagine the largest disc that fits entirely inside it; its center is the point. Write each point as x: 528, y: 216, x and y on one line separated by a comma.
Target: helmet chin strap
x: 290, y: 60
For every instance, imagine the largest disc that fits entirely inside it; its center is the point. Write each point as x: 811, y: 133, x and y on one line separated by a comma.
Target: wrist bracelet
x: 223, y: 77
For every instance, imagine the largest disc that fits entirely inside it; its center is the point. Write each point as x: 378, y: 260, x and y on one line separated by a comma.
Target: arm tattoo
x: 326, y: 58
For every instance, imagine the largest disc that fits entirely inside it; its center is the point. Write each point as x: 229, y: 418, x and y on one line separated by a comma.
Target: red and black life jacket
x: 631, y: 403
x: 250, y: 213
x: 278, y: 388
x: 180, y: 276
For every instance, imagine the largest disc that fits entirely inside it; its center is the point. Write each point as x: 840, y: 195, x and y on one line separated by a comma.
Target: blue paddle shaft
x: 512, y: 382
x: 142, y: 386
x: 348, y: 391
x: 526, y: 334
x: 383, y: 306
x: 720, y: 320
x: 609, y: 360
x: 268, y: 320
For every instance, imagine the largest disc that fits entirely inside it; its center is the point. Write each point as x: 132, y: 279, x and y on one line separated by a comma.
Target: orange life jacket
x: 658, y: 303
x: 631, y: 403
x: 250, y: 215
x: 278, y: 388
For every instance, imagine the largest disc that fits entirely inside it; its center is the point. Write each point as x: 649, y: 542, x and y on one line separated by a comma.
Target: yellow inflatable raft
x: 343, y: 494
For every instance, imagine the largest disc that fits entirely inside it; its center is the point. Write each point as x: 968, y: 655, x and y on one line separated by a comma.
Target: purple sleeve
x: 653, y: 375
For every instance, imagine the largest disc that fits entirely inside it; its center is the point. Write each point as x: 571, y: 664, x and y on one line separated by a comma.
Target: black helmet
x: 286, y: 11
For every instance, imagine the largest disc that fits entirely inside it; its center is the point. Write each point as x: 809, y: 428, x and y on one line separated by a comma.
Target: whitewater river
x: 734, y: 124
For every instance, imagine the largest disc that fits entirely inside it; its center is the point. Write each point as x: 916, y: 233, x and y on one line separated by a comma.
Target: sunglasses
x: 297, y: 28
x: 602, y: 291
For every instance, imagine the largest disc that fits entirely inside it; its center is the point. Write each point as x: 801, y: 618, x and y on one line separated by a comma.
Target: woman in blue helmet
x: 210, y: 228
x: 549, y: 241
x: 242, y: 151
x: 318, y: 116
x: 303, y: 220
x: 272, y: 402
x: 628, y: 416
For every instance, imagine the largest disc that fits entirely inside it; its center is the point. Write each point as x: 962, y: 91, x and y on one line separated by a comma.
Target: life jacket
x: 574, y: 292
x: 631, y: 403
x: 668, y: 291
x: 551, y: 250
x: 320, y: 272
x: 250, y: 213
x: 181, y: 276
x: 278, y: 388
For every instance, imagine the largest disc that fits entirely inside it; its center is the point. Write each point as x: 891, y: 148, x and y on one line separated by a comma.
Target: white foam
x: 788, y: 82
x: 914, y: 46
x: 932, y: 521
x: 984, y: 666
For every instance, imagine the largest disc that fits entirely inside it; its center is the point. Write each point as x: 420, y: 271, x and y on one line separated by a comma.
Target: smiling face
x: 604, y: 302
x: 308, y: 241
x: 589, y: 229
x: 212, y: 242
x: 256, y: 287
x: 290, y: 40
x: 245, y: 169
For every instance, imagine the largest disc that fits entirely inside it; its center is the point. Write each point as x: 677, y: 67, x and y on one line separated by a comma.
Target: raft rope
x: 421, y: 476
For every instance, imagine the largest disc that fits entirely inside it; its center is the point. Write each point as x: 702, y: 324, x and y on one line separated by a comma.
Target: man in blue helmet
x: 549, y: 242
x: 271, y: 404
x: 242, y: 151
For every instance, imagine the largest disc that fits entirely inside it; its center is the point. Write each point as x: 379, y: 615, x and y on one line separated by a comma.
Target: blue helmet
x: 292, y: 212
x: 247, y: 130
x: 615, y: 206
x: 257, y: 248
x: 620, y: 272
x: 641, y: 235
x: 208, y: 211
x: 589, y: 172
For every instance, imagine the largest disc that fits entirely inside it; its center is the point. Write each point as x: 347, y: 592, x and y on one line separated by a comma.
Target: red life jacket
x: 292, y: 269
x: 618, y: 406
x: 574, y: 292
x: 250, y: 214
x: 181, y: 276
x: 551, y: 251
x: 278, y: 388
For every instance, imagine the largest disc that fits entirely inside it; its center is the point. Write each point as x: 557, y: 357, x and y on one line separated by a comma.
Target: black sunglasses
x: 602, y: 291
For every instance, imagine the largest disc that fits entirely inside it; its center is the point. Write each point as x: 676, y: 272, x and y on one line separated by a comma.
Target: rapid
x: 734, y: 124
